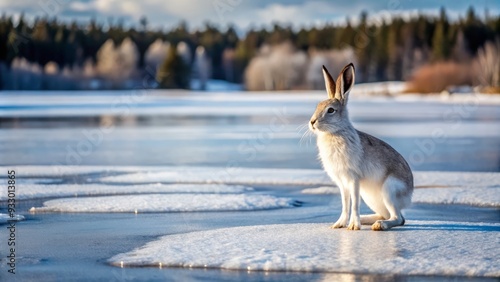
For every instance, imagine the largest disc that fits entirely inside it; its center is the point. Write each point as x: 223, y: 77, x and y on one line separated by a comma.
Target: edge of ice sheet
x: 165, y: 203
x: 418, y: 248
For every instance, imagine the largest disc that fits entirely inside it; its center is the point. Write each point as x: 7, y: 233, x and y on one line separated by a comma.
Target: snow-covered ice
x: 4, y: 218
x: 37, y: 191
x: 166, y: 203
x: 474, y: 196
x: 420, y: 248
x: 321, y: 190
x: 482, y: 196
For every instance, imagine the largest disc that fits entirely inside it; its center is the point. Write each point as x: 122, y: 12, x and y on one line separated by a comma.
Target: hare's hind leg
x: 392, y: 191
x: 370, y: 219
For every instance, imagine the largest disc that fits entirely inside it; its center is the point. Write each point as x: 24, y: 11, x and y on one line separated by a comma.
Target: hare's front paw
x: 353, y: 226
x: 341, y: 223
x: 379, y: 225
x: 355, y: 223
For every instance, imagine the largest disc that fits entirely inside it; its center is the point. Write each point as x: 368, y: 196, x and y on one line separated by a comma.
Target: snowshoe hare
x: 360, y: 164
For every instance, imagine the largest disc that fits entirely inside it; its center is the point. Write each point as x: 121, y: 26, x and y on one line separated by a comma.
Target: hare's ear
x: 329, y: 83
x: 345, y: 81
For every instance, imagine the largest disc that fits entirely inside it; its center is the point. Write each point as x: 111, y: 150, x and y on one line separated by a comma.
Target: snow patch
x: 321, y: 190
x: 419, y: 248
x: 165, y: 203
x: 482, y: 196
x: 4, y: 218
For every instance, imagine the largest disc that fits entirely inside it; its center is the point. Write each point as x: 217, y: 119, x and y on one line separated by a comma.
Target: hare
x: 360, y: 164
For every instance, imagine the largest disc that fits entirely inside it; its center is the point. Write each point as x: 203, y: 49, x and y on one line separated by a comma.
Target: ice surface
x: 419, y: 248
x: 4, y: 218
x: 166, y: 203
x: 36, y: 191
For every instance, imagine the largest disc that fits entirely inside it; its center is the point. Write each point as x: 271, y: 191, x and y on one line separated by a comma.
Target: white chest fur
x: 341, y: 155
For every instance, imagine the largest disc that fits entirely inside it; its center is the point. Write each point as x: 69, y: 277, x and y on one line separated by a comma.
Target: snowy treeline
x: 116, y: 67
x: 282, y: 67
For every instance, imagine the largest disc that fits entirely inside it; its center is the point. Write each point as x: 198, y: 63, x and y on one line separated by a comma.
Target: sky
x: 242, y: 13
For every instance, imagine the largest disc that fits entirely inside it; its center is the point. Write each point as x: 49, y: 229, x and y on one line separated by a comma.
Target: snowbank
x: 420, y: 248
x: 166, y: 203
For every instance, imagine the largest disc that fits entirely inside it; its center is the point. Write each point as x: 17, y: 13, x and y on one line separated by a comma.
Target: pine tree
x: 394, y: 50
x: 381, y: 55
x: 173, y: 73
x: 441, y: 46
x: 363, y: 48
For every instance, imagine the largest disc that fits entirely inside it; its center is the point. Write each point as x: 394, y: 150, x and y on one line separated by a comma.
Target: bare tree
x: 156, y: 54
x: 127, y: 58
x: 202, y: 67
x: 279, y: 67
x: 228, y: 61
x: 117, y: 63
x: 487, y: 64
x: 184, y: 51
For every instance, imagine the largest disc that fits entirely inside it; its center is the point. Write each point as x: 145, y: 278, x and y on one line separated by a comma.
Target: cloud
x: 303, y: 13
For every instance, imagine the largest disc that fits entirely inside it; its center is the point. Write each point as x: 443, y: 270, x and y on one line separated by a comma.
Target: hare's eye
x: 331, y: 110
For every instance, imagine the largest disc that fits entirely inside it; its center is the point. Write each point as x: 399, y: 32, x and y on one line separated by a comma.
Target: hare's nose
x: 313, y: 121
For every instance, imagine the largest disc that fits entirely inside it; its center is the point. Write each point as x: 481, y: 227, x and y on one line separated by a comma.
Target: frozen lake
x: 253, y: 130
x: 198, y: 139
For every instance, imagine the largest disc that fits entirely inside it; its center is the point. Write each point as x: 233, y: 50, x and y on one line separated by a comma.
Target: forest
x: 431, y: 52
